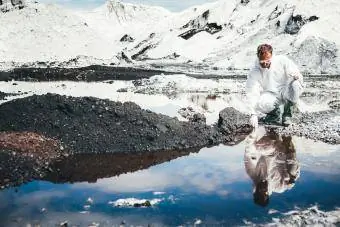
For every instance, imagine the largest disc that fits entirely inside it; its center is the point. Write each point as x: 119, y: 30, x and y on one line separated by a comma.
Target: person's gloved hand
x: 254, y: 121
x: 296, y: 76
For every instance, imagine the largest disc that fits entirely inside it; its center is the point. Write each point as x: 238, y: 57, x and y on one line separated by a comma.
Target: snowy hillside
x: 226, y: 33
x: 222, y: 34
x: 48, y: 33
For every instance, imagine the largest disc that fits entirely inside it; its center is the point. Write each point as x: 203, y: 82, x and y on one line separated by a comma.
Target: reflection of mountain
x: 91, y: 167
x: 270, y: 161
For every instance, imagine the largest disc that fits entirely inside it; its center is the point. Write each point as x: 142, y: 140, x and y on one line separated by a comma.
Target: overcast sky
x: 173, y: 5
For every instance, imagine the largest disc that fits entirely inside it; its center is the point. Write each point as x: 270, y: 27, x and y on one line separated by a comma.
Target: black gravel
x: 92, y: 125
x: 88, y: 73
x: 2, y: 95
x: 16, y: 169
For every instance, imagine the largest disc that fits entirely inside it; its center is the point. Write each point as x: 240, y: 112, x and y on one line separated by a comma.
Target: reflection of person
x: 273, y: 81
x: 270, y: 161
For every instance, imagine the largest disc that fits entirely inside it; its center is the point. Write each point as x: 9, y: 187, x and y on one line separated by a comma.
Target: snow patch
x: 133, y: 202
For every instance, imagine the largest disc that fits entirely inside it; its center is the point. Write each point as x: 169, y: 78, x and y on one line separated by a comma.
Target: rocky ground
x: 322, y: 125
x: 3, y: 95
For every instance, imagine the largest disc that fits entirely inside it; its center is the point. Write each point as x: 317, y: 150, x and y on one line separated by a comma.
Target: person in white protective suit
x: 273, y: 81
x: 270, y: 161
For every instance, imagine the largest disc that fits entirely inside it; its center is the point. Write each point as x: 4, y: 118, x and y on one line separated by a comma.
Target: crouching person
x: 272, y: 82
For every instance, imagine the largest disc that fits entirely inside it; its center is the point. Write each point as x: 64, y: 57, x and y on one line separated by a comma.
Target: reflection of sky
x: 183, y: 173
x: 210, y: 185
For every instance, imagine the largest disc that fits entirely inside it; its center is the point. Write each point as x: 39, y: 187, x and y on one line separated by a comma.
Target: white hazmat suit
x: 266, y: 88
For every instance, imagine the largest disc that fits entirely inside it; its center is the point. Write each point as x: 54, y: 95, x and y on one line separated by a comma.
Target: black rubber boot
x: 287, y: 113
x: 273, y: 117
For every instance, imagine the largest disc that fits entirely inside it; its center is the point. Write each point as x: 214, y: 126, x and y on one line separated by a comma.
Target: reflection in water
x: 270, y: 161
x: 91, y: 167
x: 202, y: 100
x: 82, y: 167
x: 210, y: 185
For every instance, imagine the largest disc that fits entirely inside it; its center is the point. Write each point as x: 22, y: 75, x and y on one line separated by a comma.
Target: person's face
x: 265, y: 60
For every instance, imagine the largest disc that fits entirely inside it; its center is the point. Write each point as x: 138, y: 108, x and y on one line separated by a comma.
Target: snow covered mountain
x: 41, y: 32
x: 222, y: 34
x: 226, y: 33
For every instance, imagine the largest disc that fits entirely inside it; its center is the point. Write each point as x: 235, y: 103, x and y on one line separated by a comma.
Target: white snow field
x: 223, y: 34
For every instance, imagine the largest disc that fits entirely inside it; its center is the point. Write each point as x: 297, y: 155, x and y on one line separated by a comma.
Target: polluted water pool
x: 259, y: 180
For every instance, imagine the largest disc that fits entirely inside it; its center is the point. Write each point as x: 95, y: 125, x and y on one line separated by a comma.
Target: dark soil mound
x: 91, y: 125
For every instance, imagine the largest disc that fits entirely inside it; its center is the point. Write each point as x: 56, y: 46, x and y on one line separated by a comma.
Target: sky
x: 172, y: 5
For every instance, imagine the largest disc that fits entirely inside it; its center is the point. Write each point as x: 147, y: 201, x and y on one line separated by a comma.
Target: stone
x: 231, y: 121
x: 127, y: 38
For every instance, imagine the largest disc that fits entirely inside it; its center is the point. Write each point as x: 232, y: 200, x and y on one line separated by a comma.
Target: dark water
x: 213, y: 186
